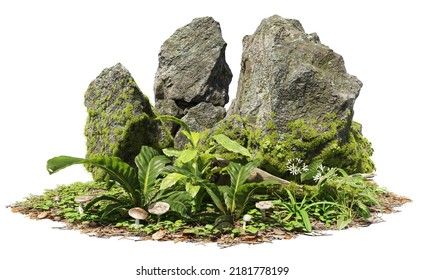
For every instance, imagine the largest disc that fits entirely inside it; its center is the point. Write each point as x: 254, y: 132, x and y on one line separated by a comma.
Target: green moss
x: 353, y: 156
x: 128, y: 110
x: 124, y: 96
x: 120, y: 120
x: 304, y: 139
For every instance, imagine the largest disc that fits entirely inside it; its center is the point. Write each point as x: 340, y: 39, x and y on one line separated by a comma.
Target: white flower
x: 296, y: 166
x: 294, y: 170
x: 317, y: 177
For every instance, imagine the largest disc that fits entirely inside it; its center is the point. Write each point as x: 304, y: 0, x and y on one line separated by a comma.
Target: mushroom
x: 56, y: 199
x: 159, y: 208
x: 263, y: 206
x: 246, y: 218
x: 138, y: 214
x: 81, y: 200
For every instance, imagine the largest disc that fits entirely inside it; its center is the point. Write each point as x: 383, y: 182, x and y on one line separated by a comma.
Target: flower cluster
x: 319, y: 174
x: 296, y: 166
x: 321, y: 171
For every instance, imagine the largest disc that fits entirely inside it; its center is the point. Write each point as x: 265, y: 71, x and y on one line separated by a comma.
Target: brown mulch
x: 389, y: 204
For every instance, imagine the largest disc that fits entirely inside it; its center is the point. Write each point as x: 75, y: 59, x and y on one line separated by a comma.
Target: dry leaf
x: 159, y: 234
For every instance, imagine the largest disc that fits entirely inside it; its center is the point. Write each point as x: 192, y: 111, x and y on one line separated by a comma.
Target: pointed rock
x: 289, y: 75
x: 119, y: 118
x: 192, y: 69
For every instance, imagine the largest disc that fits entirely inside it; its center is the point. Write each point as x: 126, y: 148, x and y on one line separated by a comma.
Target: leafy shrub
x: 140, y: 185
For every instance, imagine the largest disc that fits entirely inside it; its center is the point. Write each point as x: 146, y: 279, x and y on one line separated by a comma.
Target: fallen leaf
x: 159, y: 234
x: 42, y: 215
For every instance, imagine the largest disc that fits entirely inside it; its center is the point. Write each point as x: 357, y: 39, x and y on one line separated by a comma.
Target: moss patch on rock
x: 306, y: 140
x: 120, y: 117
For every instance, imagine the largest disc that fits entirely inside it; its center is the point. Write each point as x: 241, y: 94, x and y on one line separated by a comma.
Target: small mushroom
x: 159, y: 208
x: 138, y: 214
x: 56, y: 199
x: 263, y: 206
x: 246, y: 218
x: 81, y: 200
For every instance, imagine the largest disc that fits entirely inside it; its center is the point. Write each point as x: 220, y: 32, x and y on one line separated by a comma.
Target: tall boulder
x: 295, y: 99
x: 192, y: 70
x: 119, y: 118
x: 289, y: 75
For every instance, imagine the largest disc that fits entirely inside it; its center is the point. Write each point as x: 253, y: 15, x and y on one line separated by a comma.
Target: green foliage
x: 231, y: 145
x: 149, y: 164
x: 208, y: 195
x: 118, y: 171
x: 351, y: 192
x: 141, y: 186
x: 193, y: 137
x: 195, y: 167
x: 236, y: 195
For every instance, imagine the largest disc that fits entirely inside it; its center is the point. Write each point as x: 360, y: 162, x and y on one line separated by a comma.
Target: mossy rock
x: 120, y: 118
x: 304, y: 140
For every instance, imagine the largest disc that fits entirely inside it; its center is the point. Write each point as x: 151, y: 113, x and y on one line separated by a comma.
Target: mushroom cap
x: 247, y: 218
x: 263, y: 205
x: 138, y: 213
x: 83, y: 198
x: 159, y: 208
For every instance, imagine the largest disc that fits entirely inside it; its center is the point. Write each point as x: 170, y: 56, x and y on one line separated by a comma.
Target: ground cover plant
x: 208, y: 198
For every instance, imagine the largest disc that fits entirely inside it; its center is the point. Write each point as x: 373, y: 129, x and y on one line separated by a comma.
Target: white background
x: 51, y: 50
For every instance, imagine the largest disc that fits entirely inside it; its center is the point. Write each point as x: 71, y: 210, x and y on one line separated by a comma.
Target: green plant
x: 350, y: 192
x: 196, y: 168
x: 192, y: 168
x: 297, y: 213
x: 140, y: 185
x: 231, y: 200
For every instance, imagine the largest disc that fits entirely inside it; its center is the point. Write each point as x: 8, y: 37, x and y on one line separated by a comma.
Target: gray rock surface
x: 119, y: 118
x: 168, y: 129
x: 199, y: 118
x: 192, y: 67
x: 288, y: 75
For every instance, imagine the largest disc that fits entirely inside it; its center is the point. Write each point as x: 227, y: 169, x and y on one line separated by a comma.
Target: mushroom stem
x: 80, y: 208
x: 263, y: 213
x: 246, y: 218
x: 138, y: 214
x: 81, y: 200
x: 159, y: 219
